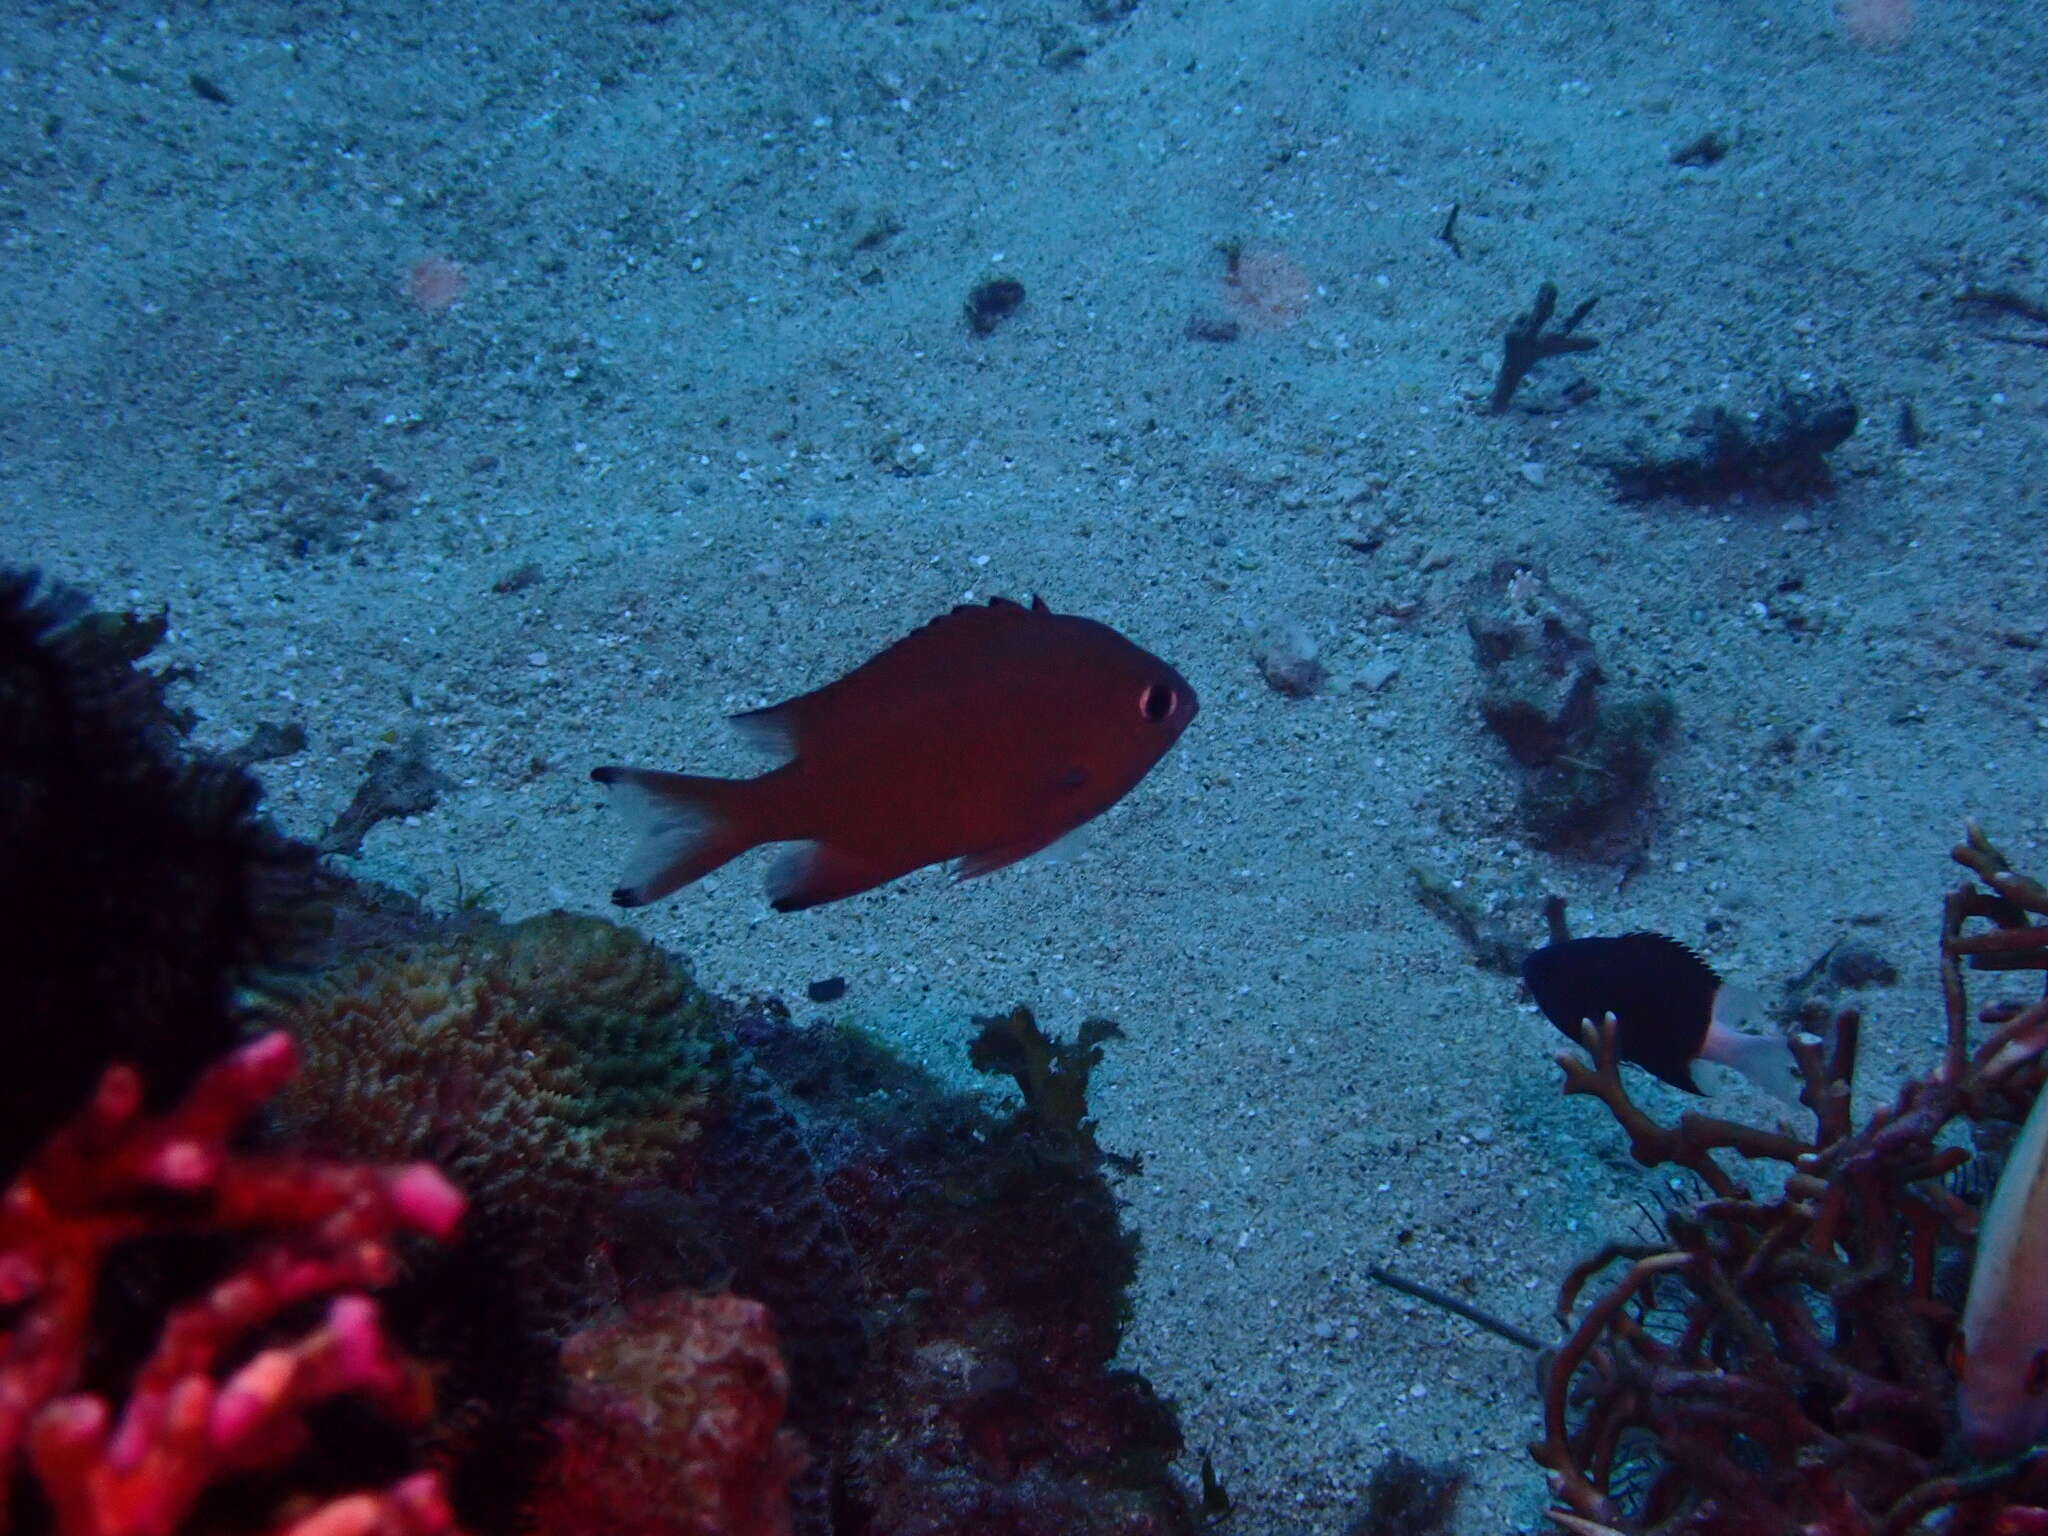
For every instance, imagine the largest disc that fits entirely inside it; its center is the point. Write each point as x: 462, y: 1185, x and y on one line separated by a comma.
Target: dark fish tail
x: 684, y: 826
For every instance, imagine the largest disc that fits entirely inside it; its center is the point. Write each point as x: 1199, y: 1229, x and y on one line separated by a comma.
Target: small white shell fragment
x: 1287, y: 658
x: 1377, y: 673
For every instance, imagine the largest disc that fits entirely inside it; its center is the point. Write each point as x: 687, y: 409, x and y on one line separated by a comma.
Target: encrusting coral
x: 222, y: 1392
x: 1777, y: 1364
x: 994, y: 1269
x: 672, y: 1425
x: 548, y: 1066
x: 560, y: 1069
x: 945, y: 1282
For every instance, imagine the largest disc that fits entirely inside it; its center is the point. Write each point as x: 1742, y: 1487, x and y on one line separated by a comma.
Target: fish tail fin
x: 683, y: 827
x: 1766, y: 1060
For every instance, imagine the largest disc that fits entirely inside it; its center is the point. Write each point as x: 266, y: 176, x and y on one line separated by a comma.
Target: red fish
x: 983, y: 737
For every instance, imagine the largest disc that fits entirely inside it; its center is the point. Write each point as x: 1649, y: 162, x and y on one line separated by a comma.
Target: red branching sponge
x: 197, y: 1411
x: 673, y: 1426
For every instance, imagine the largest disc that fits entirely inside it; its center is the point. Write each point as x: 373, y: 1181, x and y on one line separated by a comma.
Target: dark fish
x: 1669, y: 1006
x: 983, y: 737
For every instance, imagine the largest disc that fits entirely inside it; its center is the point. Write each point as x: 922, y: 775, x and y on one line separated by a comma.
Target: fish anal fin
x: 683, y: 827
x: 811, y: 874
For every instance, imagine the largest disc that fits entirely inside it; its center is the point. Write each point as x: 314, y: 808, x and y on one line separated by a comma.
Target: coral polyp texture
x: 549, y: 1066
x: 227, y: 1386
x: 672, y: 1425
x: 561, y: 1069
x: 1779, y: 1363
x: 931, y: 1290
x: 996, y: 1266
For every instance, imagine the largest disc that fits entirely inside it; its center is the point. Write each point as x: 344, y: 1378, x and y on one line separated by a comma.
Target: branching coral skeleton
x: 1781, y: 1361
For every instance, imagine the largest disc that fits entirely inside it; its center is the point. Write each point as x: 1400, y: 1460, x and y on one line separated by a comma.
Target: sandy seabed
x: 554, y: 381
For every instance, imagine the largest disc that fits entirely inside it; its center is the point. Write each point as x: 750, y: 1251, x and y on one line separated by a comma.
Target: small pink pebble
x: 434, y: 283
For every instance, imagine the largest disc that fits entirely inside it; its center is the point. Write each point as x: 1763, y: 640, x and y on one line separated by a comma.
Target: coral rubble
x: 1589, y: 760
x: 1777, y: 454
x: 1777, y: 1363
x: 1406, y: 1497
x: 1532, y: 338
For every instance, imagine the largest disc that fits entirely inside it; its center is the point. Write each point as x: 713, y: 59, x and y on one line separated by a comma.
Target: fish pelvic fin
x: 986, y: 861
x: 683, y: 827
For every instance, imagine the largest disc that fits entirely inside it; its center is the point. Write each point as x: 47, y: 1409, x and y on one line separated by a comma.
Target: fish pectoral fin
x: 986, y: 860
x: 810, y: 874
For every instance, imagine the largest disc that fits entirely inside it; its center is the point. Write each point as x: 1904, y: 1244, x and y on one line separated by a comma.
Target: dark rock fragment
x: 399, y: 782
x: 1779, y: 455
x: 992, y: 302
x: 1536, y: 654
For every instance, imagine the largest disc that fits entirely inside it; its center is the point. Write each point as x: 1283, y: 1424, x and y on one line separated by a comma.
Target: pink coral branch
x: 316, y: 1229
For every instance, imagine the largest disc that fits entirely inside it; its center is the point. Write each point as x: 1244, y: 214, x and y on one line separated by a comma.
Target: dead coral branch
x: 1780, y: 1364
x: 1532, y: 338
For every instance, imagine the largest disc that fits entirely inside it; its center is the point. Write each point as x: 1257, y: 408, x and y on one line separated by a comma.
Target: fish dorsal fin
x: 1677, y: 953
x: 956, y: 643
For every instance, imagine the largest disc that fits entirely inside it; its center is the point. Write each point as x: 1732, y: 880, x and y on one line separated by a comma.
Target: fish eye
x: 1156, y: 701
